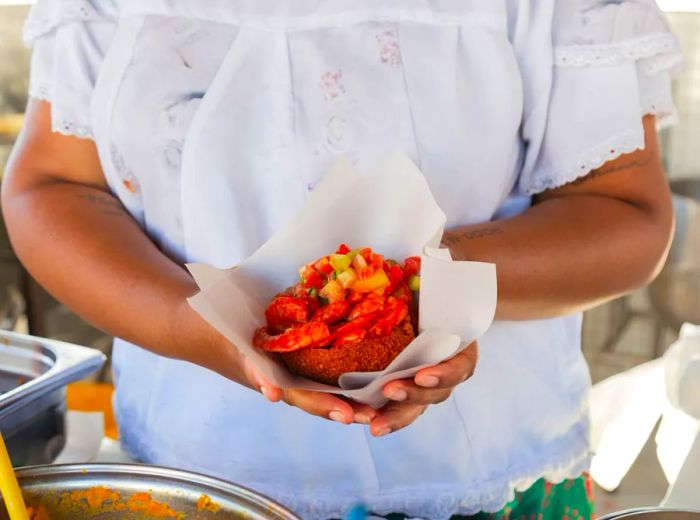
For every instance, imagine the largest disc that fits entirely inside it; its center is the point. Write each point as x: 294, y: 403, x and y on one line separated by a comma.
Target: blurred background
x: 617, y: 336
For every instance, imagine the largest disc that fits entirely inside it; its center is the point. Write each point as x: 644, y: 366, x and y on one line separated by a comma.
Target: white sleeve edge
x: 617, y: 53
x: 589, y: 160
x: 60, y: 123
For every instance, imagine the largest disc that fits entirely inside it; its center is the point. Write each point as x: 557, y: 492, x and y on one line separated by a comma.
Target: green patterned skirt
x: 568, y: 500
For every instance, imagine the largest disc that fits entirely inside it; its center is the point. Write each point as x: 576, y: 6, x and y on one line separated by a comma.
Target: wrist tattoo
x: 616, y: 166
x: 455, y: 237
x: 108, y: 204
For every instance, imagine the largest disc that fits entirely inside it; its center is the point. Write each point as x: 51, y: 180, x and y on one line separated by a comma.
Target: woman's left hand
x: 410, y: 397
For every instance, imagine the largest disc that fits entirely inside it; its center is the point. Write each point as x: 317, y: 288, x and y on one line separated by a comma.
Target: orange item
x: 94, y: 397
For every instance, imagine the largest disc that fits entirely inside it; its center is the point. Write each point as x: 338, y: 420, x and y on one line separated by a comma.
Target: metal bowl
x: 656, y: 513
x: 64, y: 491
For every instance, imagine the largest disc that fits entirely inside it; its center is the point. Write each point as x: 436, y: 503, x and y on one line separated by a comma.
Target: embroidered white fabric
x: 600, y: 92
x: 373, y: 76
x: 617, y: 53
x: 61, y: 123
x: 40, y: 91
x: 47, y: 16
x: 424, y: 502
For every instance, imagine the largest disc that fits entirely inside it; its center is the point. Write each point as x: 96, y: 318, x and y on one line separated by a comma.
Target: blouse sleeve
x: 68, y: 39
x: 605, y: 66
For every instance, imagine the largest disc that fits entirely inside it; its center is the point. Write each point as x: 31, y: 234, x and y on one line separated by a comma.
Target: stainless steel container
x: 33, y: 376
x: 62, y: 490
x: 652, y: 513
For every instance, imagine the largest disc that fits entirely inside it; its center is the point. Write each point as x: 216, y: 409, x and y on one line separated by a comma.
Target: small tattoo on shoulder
x: 638, y: 162
x: 110, y: 205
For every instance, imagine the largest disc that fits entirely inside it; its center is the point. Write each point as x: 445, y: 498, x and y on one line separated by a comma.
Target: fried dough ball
x: 327, y: 364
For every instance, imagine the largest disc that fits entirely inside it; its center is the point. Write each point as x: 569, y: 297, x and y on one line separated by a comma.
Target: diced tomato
x: 411, y: 266
x: 376, y: 261
x: 312, y: 278
x: 343, y: 249
x: 299, y: 291
x: 324, y: 266
x: 395, y: 276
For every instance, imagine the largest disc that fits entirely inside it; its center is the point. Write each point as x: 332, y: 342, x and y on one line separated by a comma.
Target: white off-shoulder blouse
x: 215, y: 119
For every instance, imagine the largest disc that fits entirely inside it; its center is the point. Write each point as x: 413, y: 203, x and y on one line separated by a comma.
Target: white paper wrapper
x: 393, y: 212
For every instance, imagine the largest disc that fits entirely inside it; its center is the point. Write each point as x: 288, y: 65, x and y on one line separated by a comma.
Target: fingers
x: 395, y: 416
x: 363, y: 414
x: 407, y: 392
x: 323, y: 405
x: 261, y: 383
x: 409, y: 398
x: 434, y: 384
x: 271, y: 392
x: 452, y: 372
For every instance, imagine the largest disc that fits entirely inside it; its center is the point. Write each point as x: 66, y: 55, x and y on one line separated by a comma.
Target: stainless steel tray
x: 61, y: 488
x: 33, y: 375
x: 652, y: 513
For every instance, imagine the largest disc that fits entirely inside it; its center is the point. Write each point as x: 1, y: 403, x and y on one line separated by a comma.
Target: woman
x: 165, y: 132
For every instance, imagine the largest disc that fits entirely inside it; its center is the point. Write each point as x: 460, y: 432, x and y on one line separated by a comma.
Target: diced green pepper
x: 414, y: 283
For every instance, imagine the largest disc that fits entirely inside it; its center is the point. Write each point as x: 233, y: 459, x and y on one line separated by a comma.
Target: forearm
x: 564, y: 256
x: 582, y: 244
x: 81, y: 244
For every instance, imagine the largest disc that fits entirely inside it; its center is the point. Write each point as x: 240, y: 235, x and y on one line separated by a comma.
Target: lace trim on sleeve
x: 588, y: 161
x: 40, y: 91
x: 68, y: 127
x: 60, y: 123
x: 663, y: 44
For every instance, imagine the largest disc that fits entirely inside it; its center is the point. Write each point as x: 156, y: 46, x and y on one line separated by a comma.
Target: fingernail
x: 264, y: 391
x: 382, y: 433
x: 398, y: 395
x: 337, y: 416
x: 428, y: 381
x: 362, y: 418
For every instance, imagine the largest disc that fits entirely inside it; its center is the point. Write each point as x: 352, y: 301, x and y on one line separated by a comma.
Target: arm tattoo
x: 108, y: 204
x: 456, y: 237
x: 615, y: 166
